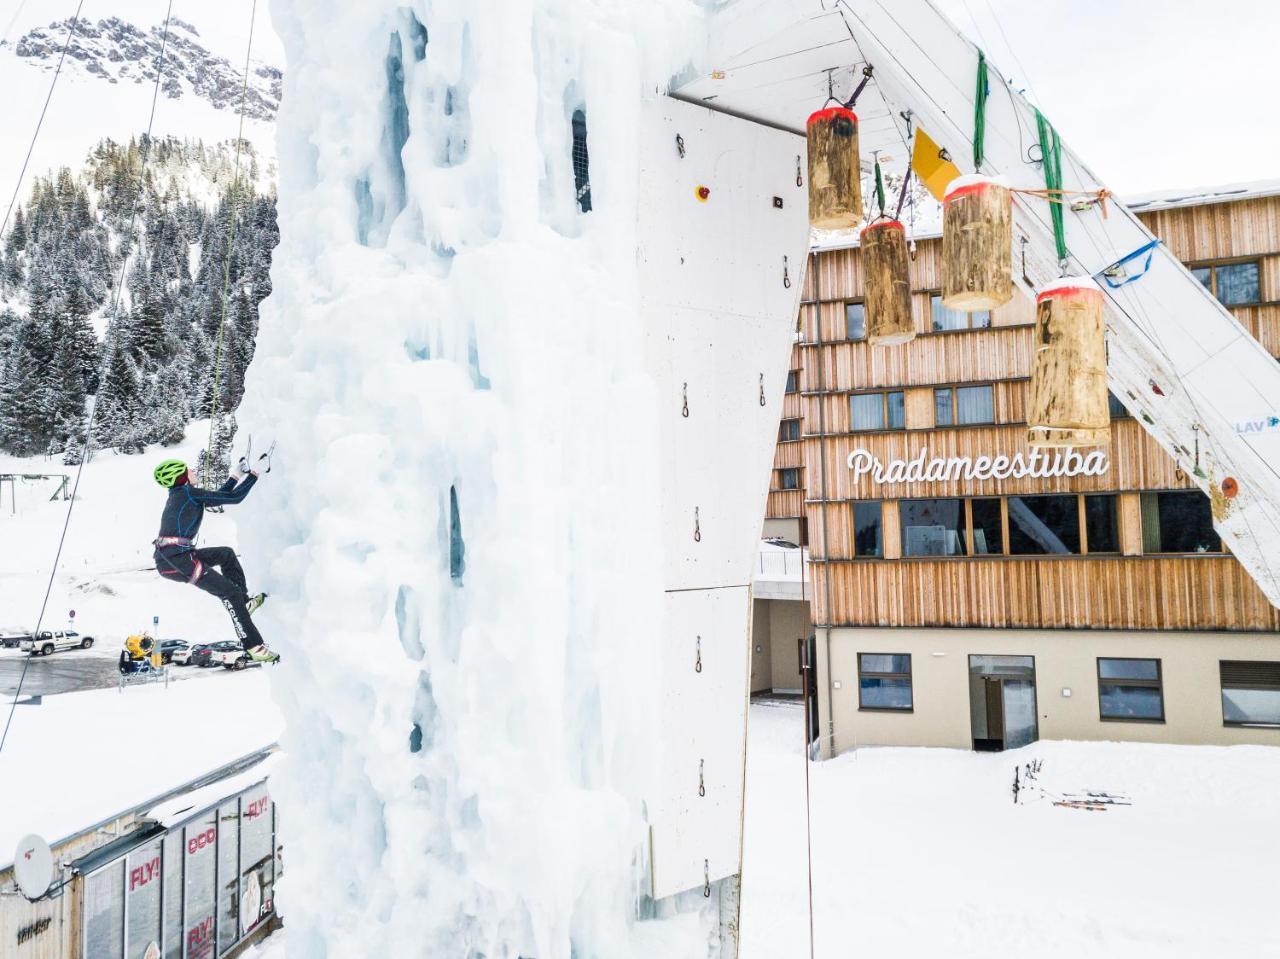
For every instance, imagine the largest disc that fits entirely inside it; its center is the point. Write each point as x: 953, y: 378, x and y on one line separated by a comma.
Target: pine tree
x: 118, y: 405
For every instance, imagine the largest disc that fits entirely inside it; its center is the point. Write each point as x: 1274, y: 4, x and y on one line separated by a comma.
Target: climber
x: 178, y: 559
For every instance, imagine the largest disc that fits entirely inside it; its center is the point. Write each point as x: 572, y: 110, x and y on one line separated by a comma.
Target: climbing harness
x: 226, y: 267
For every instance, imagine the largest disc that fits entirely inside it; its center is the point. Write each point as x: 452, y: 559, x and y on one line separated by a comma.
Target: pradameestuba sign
x: 923, y: 468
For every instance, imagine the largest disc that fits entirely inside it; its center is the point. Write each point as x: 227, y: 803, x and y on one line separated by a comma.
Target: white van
x: 48, y: 641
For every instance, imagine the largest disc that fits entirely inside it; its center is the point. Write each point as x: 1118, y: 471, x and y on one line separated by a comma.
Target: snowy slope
x: 106, y: 573
x: 87, y: 105
x: 922, y: 853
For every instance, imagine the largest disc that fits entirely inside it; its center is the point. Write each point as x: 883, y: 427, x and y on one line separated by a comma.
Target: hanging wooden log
x: 977, y: 244
x: 835, y: 177
x: 887, y: 284
x: 1068, y: 404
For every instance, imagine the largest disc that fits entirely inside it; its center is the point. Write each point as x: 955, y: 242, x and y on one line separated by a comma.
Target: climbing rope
x: 980, y: 113
x: 115, y: 306
x: 1051, y: 157
x: 226, y: 266
x: 75, y: 20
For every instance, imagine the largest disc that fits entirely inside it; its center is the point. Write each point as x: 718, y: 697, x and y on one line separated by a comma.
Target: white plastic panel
x: 719, y: 320
x: 697, y: 837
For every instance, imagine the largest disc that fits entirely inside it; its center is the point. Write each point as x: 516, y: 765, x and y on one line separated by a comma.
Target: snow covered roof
x: 1199, y: 196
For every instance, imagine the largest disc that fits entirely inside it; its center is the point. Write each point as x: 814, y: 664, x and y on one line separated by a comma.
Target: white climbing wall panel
x: 723, y: 235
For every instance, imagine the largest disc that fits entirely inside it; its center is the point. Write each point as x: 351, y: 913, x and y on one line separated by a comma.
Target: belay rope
x: 232, y: 205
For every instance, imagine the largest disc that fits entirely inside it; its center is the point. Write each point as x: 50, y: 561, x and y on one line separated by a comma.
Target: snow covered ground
x: 106, y: 574
x: 922, y: 853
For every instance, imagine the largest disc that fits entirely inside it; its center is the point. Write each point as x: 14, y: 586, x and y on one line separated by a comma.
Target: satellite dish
x: 33, y: 866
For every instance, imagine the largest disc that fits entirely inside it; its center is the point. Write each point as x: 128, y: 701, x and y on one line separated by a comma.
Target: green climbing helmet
x: 168, y: 472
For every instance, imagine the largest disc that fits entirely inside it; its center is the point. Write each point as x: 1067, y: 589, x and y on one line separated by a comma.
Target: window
x: 988, y: 536
x: 788, y: 431
x: 789, y: 478
x: 1250, y: 693
x: 855, y: 321
x: 963, y: 405
x: 1101, y: 528
x: 933, y: 527
x: 1115, y: 407
x: 1234, y: 284
x: 1130, y: 690
x: 1178, y: 522
x: 944, y: 319
x: 1041, y: 525
x: 884, y: 681
x: 793, y: 381
x: 866, y: 529
x: 878, y: 411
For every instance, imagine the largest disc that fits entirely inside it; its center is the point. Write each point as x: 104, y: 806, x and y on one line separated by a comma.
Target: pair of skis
x: 1025, y: 775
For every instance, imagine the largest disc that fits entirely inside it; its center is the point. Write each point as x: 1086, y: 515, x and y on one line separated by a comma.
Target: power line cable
x: 93, y: 408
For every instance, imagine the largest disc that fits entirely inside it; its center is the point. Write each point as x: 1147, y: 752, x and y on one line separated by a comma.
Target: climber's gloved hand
x: 243, y: 467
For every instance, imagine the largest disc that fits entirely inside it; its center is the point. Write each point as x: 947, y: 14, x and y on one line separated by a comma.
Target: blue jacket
x: 184, y: 510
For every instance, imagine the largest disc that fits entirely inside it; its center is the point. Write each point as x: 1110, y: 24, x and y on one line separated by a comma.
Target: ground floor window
x: 1250, y: 693
x: 1130, y: 689
x: 884, y: 681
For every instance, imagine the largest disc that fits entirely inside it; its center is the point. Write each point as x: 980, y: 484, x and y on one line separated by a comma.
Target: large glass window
x: 855, y: 321
x: 1178, y: 522
x: 104, y: 913
x: 1130, y: 689
x: 228, y: 875
x: 932, y: 527
x: 142, y: 882
x: 788, y: 431
x: 1042, y: 525
x: 258, y: 882
x: 884, y: 681
x: 895, y: 403
x: 200, y: 862
x: 943, y: 319
x: 1101, y: 527
x: 866, y: 529
x: 878, y: 411
x: 1234, y: 284
x: 987, y: 527
x: 963, y: 405
x: 173, y: 853
x: 1250, y: 693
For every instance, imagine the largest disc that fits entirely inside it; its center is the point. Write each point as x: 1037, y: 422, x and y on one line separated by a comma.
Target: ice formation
x: 462, y: 535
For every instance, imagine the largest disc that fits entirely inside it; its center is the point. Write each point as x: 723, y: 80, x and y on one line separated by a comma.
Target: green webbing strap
x: 1051, y: 154
x: 879, y: 187
x: 980, y: 113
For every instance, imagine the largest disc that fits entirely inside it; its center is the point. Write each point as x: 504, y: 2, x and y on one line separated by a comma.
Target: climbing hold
x: 1230, y: 488
x: 703, y: 193
x: 1155, y: 388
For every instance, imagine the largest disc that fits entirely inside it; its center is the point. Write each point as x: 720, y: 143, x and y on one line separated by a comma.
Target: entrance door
x: 1002, y: 692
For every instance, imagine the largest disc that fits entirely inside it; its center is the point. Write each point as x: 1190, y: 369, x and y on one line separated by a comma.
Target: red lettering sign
x: 200, y: 939
x: 143, y: 874
x: 199, y: 841
x: 257, y: 808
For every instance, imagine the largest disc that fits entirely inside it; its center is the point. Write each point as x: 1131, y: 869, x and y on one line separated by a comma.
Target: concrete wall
x: 1063, y: 658
x: 788, y: 529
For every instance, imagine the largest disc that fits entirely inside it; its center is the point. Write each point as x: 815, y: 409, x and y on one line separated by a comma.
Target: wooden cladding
x: 1219, y: 230
x: 1115, y: 593
x: 785, y: 504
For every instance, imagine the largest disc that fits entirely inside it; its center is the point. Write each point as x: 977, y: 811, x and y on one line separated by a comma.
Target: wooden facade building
x: 1060, y: 597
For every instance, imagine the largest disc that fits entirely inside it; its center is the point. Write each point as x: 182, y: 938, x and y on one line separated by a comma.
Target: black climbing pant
x: 197, y: 567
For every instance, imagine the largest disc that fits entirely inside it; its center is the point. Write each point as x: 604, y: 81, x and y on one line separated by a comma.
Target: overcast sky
x: 1152, y: 94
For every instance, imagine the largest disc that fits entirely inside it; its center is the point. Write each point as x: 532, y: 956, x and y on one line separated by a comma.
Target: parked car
x: 214, y: 654
x: 171, y: 649
x: 233, y: 658
x: 12, y: 640
x: 49, y: 640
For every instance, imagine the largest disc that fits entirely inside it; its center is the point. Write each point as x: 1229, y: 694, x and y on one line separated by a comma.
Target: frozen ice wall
x: 461, y: 536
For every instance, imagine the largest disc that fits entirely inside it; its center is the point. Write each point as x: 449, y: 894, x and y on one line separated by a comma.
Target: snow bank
x: 463, y: 529
x: 921, y: 852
